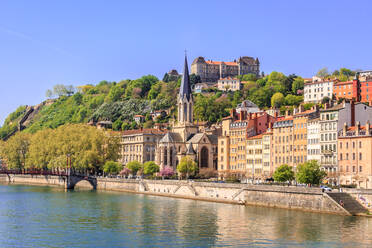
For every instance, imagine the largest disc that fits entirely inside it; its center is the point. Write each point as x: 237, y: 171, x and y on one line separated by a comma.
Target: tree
x: 15, y: 150
x: 115, y: 93
x: 194, y: 79
x: 150, y: 167
x: 167, y: 171
x: 60, y: 90
x: 298, y: 84
x: 125, y: 172
x: 112, y: 167
x: 310, y: 173
x: 49, y: 94
x: 291, y: 100
x: 187, y: 166
x: 277, y: 100
x: 283, y: 173
x: 325, y: 99
x: 323, y: 72
x: 134, y: 166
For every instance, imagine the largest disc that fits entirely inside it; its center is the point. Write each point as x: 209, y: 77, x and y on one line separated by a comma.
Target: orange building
x: 355, y: 155
x: 347, y: 90
x: 366, y: 92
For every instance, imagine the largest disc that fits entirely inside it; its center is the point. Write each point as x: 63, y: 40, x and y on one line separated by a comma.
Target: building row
x: 253, y: 145
x: 359, y: 89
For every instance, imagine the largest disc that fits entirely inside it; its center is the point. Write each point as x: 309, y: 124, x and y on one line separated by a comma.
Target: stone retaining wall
x: 308, y: 199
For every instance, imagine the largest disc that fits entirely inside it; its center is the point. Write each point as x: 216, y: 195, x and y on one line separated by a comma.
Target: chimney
x: 352, y: 108
x: 368, y: 128
x: 286, y: 113
x: 344, y: 130
x: 357, y: 128
x: 326, y: 105
x: 301, y: 108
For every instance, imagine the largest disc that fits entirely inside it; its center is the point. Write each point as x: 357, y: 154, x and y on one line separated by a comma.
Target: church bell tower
x: 185, y: 101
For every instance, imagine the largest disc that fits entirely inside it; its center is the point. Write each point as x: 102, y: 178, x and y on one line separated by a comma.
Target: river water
x: 32, y: 216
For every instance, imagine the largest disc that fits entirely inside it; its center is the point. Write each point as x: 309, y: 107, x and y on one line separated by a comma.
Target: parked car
x: 325, y: 188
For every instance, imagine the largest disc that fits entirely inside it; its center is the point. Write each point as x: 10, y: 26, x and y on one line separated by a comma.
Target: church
x: 185, y: 138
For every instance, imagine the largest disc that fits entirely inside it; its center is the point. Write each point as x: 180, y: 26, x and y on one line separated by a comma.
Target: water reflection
x: 51, y: 217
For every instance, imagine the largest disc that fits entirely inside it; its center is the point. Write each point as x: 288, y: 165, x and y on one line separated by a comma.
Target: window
x: 347, y: 145
x: 341, y: 156
x: 360, y: 156
x: 353, y: 156
x: 360, y: 144
x: 340, y: 145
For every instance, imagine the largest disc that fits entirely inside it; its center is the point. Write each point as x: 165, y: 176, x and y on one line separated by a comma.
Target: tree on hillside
x: 115, y: 93
x: 325, y: 99
x: 187, y: 167
x: 298, y: 84
x: 277, y: 100
x: 150, y: 167
x: 291, y: 100
x: 310, y: 173
x: 323, y: 72
x: 194, y: 79
x: 283, y: 173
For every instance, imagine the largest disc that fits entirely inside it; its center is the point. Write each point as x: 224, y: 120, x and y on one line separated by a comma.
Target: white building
x: 229, y: 84
x: 313, y: 140
x: 316, y: 90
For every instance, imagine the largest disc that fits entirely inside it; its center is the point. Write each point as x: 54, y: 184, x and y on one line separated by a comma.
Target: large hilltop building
x: 212, y: 71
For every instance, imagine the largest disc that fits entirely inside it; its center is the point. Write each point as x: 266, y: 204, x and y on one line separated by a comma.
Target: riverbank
x: 288, y: 197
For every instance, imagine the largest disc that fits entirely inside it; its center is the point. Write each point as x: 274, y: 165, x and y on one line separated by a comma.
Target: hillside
x: 119, y: 102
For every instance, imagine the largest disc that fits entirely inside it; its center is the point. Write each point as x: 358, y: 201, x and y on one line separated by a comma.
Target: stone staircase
x: 350, y: 204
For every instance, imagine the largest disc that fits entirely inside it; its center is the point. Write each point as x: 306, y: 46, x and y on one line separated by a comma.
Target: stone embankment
x: 307, y: 199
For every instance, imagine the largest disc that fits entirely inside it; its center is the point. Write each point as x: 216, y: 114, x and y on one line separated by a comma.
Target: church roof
x: 196, y: 138
x: 213, y: 138
x: 185, y: 89
x: 190, y: 149
x: 171, y: 137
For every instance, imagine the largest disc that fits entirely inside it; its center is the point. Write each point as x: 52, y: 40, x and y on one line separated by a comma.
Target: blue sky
x: 43, y: 43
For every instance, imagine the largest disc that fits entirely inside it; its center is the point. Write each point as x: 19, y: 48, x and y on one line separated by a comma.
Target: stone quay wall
x: 289, y: 197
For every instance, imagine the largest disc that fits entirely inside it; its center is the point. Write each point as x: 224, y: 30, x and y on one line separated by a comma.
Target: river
x: 32, y: 216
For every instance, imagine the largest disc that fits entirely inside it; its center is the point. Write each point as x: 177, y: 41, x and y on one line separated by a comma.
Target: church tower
x: 185, y: 124
x: 185, y: 101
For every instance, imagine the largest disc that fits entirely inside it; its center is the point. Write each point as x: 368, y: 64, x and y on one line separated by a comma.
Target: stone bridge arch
x: 73, y: 180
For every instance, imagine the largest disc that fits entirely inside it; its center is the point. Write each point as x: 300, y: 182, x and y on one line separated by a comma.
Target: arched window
x: 204, y: 156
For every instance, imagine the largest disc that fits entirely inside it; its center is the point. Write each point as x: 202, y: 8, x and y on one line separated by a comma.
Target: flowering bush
x: 166, y: 171
x: 125, y: 171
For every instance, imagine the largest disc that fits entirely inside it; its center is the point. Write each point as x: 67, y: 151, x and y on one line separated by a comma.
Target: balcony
x: 327, y: 152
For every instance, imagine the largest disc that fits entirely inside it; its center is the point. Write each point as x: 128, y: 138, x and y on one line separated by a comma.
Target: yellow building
x: 139, y: 145
x: 254, y: 158
x: 283, y: 142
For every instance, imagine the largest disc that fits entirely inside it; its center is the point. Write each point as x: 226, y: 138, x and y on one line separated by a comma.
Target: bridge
x: 69, y: 180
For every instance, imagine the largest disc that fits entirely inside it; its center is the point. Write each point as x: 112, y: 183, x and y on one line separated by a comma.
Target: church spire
x: 185, y: 89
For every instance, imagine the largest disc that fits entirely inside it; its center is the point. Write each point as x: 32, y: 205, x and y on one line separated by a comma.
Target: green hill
x: 119, y: 102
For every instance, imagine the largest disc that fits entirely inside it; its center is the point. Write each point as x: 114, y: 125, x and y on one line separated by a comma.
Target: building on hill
x: 212, y: 71
x: 316, y: 90
x: 185, y: 138
x: 248, y: 106
x: 355, y: 155
x: 229, y: 84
